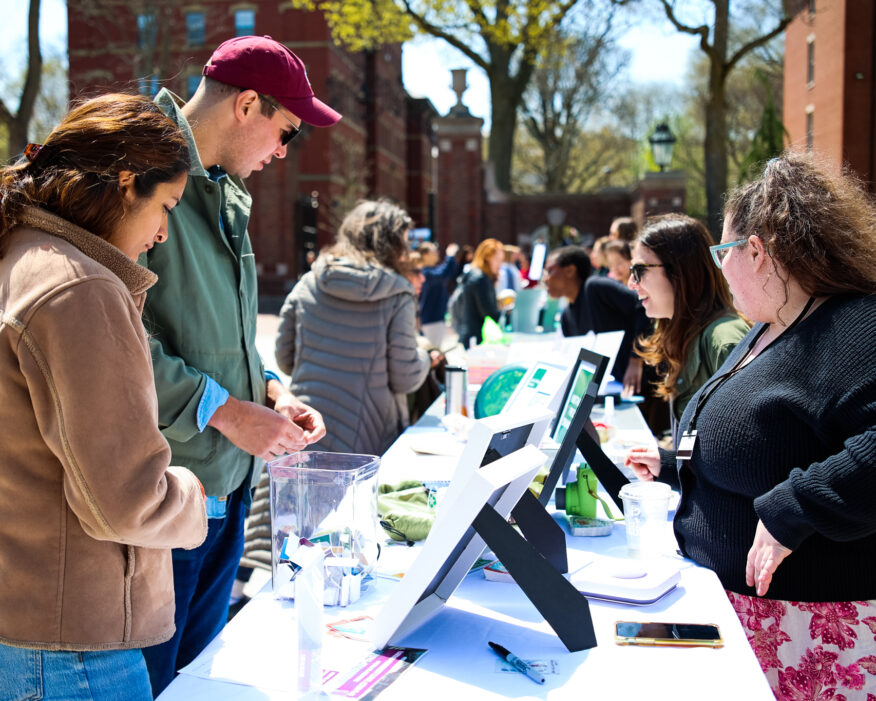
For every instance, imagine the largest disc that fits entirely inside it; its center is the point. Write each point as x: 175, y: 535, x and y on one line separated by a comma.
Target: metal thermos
x: 455, y: 390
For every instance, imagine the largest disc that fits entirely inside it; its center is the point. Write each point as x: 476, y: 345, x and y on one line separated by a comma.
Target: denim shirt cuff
x: 214, y: 396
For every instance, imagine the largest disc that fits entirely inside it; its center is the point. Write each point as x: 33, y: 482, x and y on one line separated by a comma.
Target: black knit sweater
x: 790, y: 439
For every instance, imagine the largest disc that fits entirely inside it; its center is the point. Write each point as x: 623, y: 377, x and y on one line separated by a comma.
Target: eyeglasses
x: 719, y: 252
x: 293, y: 131
x: 637, y: 270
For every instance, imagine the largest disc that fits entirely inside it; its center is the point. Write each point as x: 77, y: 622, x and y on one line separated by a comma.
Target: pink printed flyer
x: 380, y: 669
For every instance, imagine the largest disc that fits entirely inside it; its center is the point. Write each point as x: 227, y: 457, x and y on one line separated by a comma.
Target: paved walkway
x: 266, y: 336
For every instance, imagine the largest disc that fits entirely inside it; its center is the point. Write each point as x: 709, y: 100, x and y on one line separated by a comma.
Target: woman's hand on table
x: 764, y: 558
x: 644, y: 461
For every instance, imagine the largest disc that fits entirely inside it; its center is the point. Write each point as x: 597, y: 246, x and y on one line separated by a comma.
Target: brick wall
x: 363, y: 155
x: 841, y: 98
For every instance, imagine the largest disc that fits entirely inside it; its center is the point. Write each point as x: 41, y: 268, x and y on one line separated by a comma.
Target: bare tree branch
x: 759, y: 41
x: 702, y: 31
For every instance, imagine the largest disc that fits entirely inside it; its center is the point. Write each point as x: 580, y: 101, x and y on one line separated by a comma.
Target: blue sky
x: 659, y: 53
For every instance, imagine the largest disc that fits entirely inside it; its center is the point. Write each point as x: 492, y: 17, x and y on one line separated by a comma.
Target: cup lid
x: 645, y: 490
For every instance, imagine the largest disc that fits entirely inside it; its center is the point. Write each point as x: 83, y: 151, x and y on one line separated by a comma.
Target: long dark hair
x: 75, y: 174
x: 819, y: 226
x: 701, y: 293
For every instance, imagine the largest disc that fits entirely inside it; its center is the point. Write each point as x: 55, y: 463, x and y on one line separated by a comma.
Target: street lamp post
x: 555, y: 217
x: 662, y: 142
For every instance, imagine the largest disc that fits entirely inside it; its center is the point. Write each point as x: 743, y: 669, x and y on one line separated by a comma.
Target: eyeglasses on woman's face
x: 637, y: 270
x: 719, y: 252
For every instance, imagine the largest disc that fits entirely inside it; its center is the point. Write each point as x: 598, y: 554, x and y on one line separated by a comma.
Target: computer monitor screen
x: 588, y: 367
x: 575, y: 413
x: 541, y: 386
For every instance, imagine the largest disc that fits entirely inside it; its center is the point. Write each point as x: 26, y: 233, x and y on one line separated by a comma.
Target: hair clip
x: 766, y: 168
x: 31, y: 151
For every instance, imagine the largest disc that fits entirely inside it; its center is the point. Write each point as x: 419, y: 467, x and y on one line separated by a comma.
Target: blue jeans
x: 106, y: 675
x: 202, y: 581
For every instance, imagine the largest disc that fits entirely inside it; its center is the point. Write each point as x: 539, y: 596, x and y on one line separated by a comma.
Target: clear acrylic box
x: 331, y: 500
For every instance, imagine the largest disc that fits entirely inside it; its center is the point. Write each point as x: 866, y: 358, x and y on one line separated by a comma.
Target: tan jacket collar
x: 136, y: 278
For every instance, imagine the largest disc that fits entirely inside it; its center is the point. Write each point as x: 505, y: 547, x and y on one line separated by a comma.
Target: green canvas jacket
x: 705, y: 356
x: 202, y: 318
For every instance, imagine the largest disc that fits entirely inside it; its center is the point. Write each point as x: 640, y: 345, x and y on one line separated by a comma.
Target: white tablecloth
x: 258, y: 647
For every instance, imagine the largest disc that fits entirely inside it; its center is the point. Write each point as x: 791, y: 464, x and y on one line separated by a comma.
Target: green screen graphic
x: 579, y: 388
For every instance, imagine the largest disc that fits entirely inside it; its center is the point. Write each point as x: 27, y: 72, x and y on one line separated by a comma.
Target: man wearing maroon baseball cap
x: 268, y: 67
x: 222, y: 414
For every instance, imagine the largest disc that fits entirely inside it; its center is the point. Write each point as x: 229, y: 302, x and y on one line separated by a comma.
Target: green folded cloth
x: 404, y: 510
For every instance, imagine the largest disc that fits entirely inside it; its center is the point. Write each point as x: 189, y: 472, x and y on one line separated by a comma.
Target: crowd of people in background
x: 756, y: 357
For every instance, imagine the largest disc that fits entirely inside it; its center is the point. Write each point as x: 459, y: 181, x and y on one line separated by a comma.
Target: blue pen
x: 517, y: 663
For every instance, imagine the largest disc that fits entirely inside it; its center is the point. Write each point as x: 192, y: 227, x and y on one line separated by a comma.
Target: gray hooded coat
x: 348, y: 338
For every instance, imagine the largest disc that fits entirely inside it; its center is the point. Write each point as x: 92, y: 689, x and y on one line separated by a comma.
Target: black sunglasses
x: 637, y: 270
x: 293, y: 130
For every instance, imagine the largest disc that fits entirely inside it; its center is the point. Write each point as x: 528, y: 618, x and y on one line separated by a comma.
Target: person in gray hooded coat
x: 348, y: 333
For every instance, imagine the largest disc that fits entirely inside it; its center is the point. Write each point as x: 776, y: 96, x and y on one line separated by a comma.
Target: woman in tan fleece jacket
x: 89, y: 508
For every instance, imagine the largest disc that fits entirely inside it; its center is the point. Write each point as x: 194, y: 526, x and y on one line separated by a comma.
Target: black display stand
x: 536, y: 563
x: 609, y: 476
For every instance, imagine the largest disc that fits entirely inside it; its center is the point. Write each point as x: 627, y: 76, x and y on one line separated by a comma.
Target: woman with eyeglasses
x: 89, y: 507
x: 696, y: 326
x: 777, y: 459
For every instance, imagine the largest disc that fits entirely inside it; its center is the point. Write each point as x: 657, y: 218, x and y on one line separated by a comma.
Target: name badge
x: 686, y: 445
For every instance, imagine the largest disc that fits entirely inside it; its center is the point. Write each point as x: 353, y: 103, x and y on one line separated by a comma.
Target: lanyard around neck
x: 715, y: 383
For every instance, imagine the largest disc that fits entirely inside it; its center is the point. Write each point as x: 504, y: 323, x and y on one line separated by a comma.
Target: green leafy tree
x: 502, y: 37
x: 769, y: 139
x: 725, y: 39
x: 747, y: 97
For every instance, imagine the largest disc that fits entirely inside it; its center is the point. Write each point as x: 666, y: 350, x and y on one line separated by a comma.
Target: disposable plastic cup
x: 646, y: 505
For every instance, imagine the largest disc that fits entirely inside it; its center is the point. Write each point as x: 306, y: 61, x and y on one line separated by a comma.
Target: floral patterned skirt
x: 812, y: 651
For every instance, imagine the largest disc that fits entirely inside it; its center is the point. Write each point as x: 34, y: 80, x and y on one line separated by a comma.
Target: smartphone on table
x: 667, y: 634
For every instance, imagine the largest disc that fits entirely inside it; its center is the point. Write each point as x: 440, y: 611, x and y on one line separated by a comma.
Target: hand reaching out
x: 644, y: 461
x: 257, y: 429
x: 308, y: 419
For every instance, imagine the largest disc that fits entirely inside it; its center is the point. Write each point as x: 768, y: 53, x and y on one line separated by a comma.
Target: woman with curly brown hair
x: 348, y: 334
x: 678, y: 285
x: 776, y: 460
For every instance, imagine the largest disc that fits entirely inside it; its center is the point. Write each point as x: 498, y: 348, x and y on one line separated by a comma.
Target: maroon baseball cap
x: 268, y: 67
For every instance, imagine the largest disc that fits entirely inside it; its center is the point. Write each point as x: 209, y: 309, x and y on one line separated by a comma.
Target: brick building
x: 830, y: 82
x: 381, y: 148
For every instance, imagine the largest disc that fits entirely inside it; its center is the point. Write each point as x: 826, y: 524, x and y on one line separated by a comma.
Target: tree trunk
x: 18, y: 124
x: 504, y: 123
x: 716, y: 121
x: 716, y: 158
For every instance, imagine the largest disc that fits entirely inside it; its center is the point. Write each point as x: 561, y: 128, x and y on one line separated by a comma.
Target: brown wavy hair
x: 701, y: 295
x: 75, y: 174
x: 487, y: 249
x: 820, y: 227
x: 375, y: 231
